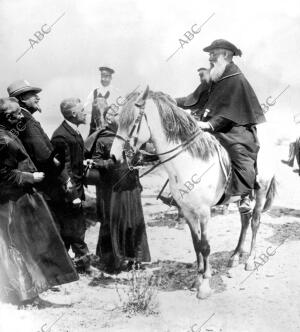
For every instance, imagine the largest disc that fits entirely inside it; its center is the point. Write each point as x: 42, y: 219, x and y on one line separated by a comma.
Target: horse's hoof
x: 249, y: 266
x: 204, y: 290
x: 204, y: 294
x: 234, y: 261
x: 207, y: 274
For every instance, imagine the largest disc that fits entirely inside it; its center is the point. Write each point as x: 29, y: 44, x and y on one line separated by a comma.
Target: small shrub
x: 139, y: 297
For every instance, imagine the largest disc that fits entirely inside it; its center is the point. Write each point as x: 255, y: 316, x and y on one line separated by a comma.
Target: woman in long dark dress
x: 127, y: 225
x: 122, y: 236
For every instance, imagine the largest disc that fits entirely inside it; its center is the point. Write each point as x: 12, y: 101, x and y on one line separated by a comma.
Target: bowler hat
x: 225, y: 44
x: 18, y: 87
x: 105, y: 68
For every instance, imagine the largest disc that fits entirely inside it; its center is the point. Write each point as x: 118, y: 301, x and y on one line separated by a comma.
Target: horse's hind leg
x: 255, y: 222
x: 235, y: 258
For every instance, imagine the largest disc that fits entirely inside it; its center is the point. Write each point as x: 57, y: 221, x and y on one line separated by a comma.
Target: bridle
x: 129, y: 151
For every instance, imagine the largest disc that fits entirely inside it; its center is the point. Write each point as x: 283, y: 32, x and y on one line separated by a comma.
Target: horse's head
x: 101, y: 102
x: 133, y: 128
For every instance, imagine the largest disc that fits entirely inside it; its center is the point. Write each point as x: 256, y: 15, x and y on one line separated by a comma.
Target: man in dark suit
x: 68, y: 206
x: 34, y: 138
x: 197, y: 99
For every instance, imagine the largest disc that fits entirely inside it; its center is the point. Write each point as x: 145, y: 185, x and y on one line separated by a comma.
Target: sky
x: 136, y: 37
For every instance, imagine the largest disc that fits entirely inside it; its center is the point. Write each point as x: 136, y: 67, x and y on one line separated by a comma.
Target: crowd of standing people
x: 42, y: 195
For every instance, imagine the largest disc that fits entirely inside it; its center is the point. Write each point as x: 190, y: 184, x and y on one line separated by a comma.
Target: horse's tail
x: 271, y: 193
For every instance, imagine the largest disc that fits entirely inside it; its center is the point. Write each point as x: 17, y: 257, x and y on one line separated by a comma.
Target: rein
x: 129, y: 151
x: 183, y: 145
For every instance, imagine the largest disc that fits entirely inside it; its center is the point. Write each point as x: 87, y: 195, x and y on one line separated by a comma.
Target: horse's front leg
x: 198, y: 227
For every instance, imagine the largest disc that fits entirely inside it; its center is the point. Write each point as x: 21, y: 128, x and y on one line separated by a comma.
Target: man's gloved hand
x: 77, y: 202
x: 38, y: 176
x: 204, y: 125
x: 89, y: 163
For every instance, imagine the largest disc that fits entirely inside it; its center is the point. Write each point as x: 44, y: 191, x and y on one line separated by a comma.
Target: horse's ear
x: 145, y: 94
x: 142, y: 100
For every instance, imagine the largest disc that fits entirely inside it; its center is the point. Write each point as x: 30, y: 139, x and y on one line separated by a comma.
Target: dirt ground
x: 267, y: 299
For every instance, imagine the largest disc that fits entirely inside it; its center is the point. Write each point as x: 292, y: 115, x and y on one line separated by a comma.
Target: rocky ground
x: 267, y: 299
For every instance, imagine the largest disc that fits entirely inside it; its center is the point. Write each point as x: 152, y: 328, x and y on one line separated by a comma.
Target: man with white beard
x: 231, y: 114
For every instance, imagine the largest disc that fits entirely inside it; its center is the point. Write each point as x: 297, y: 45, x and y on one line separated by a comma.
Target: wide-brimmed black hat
x: 224, y: 44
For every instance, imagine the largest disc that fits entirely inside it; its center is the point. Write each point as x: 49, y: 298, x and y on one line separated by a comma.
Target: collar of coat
x: 231, y: 70
x: 70, y: 129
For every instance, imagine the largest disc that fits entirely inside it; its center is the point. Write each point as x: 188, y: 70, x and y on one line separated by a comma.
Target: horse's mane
x: 178, y: 125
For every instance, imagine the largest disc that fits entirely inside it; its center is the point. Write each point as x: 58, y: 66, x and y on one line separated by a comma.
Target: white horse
x: 192, y: 159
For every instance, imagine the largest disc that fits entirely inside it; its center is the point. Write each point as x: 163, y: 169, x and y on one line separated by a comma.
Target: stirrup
x: 170, y: 201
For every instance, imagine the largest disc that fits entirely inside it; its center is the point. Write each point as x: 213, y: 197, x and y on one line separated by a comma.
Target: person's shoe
x: 288, y: 162
x: 131, y: 265
x: 39, y: 303
x: 245, y: 205
x: 83, y: 264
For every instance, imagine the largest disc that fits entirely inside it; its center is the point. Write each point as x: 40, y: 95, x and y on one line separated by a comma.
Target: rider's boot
x: 245, y: 205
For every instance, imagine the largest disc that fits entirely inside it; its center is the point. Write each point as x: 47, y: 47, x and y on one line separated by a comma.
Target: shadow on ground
x: 280, y: 211
x: 289, y: 231
x: 173, y: 275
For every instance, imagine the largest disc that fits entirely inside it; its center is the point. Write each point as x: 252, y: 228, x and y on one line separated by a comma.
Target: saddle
x: 225, y: 164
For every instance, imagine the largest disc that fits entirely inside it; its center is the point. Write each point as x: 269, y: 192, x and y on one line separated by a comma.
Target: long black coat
x: 32, y: 254
x: 70, y: 146
x: 36, y: 141
x: 41, y: 152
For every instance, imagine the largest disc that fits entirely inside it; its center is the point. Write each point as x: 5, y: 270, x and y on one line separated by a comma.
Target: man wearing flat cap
x: 32, y: 135
x: 231, y: 114
x: 100, y: 98
x: 37, y: 143
x: 197, y: 99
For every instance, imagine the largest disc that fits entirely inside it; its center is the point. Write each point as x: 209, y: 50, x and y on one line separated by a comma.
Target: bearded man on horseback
x: 231, y: 114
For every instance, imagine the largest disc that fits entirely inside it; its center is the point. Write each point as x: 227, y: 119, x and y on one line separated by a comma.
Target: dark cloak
x: 233, y: 98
